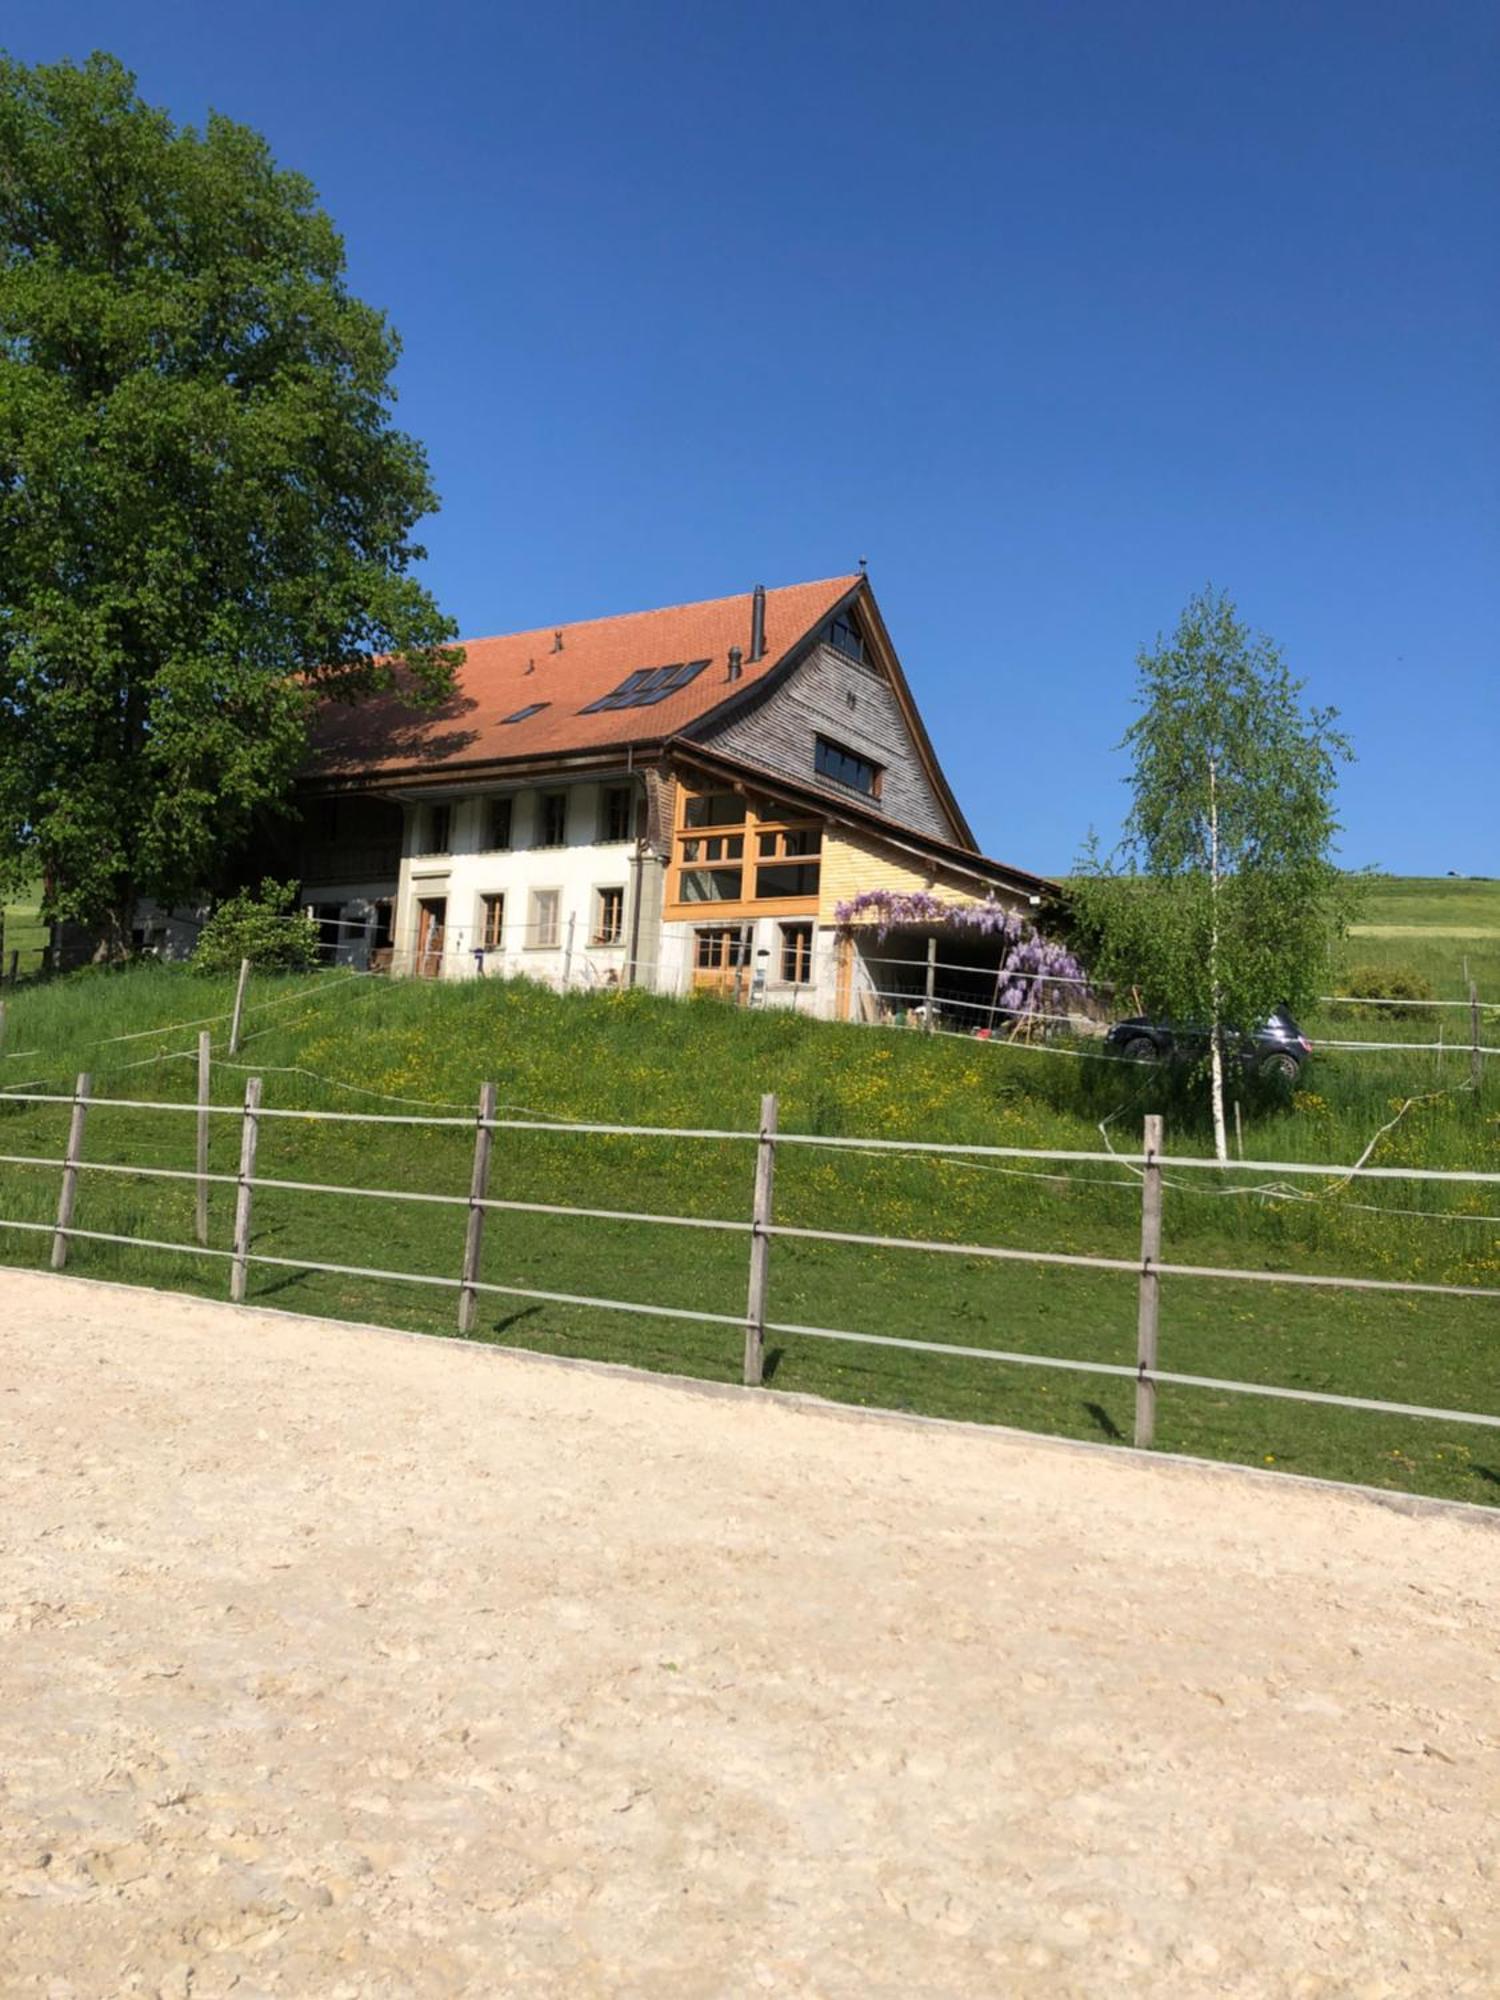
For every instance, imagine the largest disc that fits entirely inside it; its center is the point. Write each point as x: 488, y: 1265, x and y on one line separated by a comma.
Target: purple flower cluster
x: 1036, y: 976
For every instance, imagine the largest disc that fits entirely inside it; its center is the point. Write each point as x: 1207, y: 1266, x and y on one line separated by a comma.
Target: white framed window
x: 545, y: 927
x: 609, y: 916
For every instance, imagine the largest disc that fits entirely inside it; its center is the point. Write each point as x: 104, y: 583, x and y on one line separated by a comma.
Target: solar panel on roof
x: 646, y: 686
x: 531, y: 708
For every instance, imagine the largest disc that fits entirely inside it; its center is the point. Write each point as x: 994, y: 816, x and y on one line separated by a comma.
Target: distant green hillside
x: 1434, y: 924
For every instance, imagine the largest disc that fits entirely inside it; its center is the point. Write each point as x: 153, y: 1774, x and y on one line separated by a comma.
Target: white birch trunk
x: 1216, y: 1038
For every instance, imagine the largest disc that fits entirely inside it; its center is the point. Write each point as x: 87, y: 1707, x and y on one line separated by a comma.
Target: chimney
x: 557, y: 642
x: 758, y: 624
x: 736, y: 664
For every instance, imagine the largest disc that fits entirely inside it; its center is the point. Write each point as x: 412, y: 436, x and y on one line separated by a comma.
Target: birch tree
x: 1223, y: 898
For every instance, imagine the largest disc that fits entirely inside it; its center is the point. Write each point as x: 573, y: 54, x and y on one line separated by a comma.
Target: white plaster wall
x: 470, y: 871
x: 817, y: 996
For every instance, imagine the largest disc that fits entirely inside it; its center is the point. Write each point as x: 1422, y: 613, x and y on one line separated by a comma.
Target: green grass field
x: 344, y: 1043
x: 23, y: 934
x: 1446, y: 927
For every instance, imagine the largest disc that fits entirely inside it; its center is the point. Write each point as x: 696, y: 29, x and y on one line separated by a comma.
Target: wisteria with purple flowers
x: 1036, y: 977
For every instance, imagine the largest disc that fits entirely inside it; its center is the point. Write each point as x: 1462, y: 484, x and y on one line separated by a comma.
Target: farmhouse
x: 680, y: 799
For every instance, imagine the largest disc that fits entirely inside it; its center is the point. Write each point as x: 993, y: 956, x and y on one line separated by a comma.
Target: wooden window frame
x: 755, y: 827
x: 487, y: 904
x: 798, y: 937
x: 597, y: 940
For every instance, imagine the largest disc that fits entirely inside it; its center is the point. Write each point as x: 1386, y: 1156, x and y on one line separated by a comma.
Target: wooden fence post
x: 200, y: 1207
x: 239, y: 1007
x: 479, y: 1181
x: 68, y: 1193
x: 244, y: 1191
x: 1476, y: 1060
x: 931, y: 980
x: 760, y: 1244
x: 1148, y: 1308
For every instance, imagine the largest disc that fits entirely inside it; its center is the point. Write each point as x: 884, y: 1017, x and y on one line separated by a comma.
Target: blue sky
x: 1055, y: 312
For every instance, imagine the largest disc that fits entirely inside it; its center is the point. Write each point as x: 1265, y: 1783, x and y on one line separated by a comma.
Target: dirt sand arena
x: 342, y: 1664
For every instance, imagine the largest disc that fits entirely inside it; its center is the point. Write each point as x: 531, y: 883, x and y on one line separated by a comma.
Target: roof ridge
x: 654, y: 610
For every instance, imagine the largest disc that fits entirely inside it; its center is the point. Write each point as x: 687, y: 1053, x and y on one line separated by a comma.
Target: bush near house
x: 267, y: 928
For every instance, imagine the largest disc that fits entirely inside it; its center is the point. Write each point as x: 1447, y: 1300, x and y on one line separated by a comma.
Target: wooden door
x: 432, y: 924
x: 721, y: 956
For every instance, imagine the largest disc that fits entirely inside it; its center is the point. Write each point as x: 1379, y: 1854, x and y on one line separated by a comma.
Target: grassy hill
x: 346, y: 1043
x: 1437, y: 925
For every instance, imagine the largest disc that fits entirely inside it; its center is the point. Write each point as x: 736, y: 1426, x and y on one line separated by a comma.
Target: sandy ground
x: 341, y: 1664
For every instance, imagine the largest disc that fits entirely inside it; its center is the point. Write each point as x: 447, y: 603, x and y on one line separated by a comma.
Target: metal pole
x: 239, y: 1008
x: 244, y: 1191
x: 68, y: 1193
x: 479, y: 1181
x: 931, y: 979
x: 1239, y: 1130
x: 1148, y: 1307
x: 760, y: 1244
x: 200, y: 1210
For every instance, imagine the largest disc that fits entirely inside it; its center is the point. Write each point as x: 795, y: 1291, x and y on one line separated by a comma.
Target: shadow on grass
x: 1103, y: 1421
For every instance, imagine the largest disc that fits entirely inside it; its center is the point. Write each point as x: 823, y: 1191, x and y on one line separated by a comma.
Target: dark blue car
x: 1277, y: 1049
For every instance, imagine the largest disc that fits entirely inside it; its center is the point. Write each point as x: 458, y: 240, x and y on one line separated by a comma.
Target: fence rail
x: 1149, y: 1269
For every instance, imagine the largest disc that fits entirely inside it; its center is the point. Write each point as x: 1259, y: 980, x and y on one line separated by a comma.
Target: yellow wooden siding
x: 853, y: 865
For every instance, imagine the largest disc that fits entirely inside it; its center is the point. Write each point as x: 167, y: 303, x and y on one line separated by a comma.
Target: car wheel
x: 1141, y: 1048
x: 1281, y: 1068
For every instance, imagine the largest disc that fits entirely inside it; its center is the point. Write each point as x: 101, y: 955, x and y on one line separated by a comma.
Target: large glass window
x: 711, y: 885
x: 790, y: 879
x: 846, y: 767
x: 714, y: 809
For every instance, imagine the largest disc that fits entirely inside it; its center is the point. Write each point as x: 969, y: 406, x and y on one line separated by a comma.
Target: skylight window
x: 531, y: 708
x: 646, y: 686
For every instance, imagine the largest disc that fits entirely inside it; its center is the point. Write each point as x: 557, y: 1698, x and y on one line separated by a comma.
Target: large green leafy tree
x: 205, y: 511
x: 1223, y: 898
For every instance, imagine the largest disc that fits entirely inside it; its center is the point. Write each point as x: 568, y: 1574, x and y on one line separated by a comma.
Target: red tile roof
x: 500, y: 676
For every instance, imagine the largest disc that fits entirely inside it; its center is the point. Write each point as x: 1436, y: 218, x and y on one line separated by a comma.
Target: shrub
x: 267, y: 928
x: 1384, y: 982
